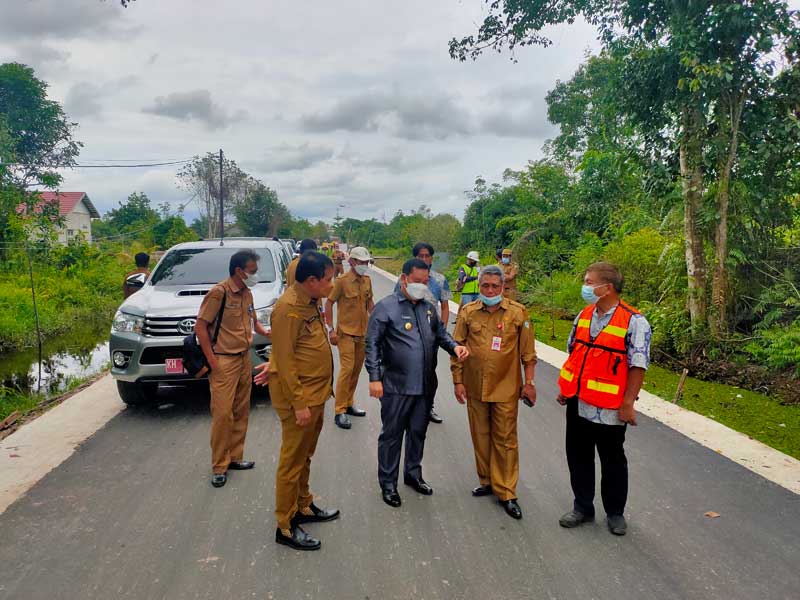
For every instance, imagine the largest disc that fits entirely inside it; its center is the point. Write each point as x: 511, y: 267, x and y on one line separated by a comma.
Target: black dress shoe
x: 391, y: 497
x: 434, y: 418
x: 318, y: 515
x: 297, y: 539
x: 219, y: 479
x: 482, y: 490
x: 355, y: 412
x: 617, y: 525
x: 512, y: 508
x: 419, y: 485
x: 241, y: 465
x: 342, y: 421
x: 574, y: 518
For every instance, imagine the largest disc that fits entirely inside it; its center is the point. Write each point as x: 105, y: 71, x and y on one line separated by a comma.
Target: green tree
x: 260, y: 213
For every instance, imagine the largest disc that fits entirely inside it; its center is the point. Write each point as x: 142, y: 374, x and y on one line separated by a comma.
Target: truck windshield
x: 199, y: 266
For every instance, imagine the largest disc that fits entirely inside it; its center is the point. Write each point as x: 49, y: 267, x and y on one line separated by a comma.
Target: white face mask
x: 416, y: 291
x: 251, y: 280
x: 361, y: 269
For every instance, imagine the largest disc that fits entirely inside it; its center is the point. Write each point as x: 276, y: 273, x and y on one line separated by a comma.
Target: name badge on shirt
x: 496, y: 342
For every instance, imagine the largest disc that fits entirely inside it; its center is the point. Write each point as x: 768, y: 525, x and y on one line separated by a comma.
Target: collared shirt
x: 290, y: 272
x: 301, y: 363
x: 637, y: 343
x: 402, y: 342
x: 351, y: 294
x: 236, y: 330
x: 510, y: 272
x: 499, y: 343
x: 438, y: 290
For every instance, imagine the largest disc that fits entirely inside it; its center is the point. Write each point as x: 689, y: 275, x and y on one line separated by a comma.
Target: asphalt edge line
x: 769, y: 463
x: 41, y: 445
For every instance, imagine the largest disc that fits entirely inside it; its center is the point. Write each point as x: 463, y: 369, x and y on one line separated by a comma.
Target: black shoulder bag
x: 194, y: 359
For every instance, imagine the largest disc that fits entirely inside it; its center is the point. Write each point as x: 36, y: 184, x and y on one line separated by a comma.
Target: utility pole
x: 221, y: 202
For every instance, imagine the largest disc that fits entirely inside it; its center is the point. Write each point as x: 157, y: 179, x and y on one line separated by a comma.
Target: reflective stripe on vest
x: 597, y: 369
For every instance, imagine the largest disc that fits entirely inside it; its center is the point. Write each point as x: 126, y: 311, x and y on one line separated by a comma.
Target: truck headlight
x: 264, y: 315
x: 123, y: 322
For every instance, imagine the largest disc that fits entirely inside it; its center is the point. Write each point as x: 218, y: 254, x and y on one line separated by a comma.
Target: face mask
x: 251, y: 280
x: 587, y: 291
x: 491, y: 300
x: 361, y: 269
x: 416, y: 291
x: 506, y: 261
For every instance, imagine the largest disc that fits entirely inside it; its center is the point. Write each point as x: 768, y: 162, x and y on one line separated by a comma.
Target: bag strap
x: 219, y: 315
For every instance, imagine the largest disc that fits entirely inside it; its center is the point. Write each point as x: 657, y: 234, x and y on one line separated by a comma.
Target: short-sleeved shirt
x: 236, y: 330
x: 291, y: 270
x: 438, y: 290
x: 301, y: 363
x: 637, y: 343
x: 351, y: 294
x: 499, y: 343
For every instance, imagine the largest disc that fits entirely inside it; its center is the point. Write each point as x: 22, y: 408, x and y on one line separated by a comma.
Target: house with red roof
x: 77, y: 211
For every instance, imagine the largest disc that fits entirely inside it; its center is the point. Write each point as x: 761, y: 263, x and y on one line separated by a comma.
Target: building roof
x: 67, y: 201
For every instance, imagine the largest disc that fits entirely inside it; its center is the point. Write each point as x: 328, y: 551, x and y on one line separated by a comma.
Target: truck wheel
x: 135, y: 394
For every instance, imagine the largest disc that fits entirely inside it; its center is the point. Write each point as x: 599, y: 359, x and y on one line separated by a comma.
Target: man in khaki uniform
x: 499, y: 337
x: 510, y: 272
x: 300, y: 376
x: 352, y: 295
x: 338, y: 260
x: 230, y: 378
x: 142, y: 266
x: 305, y: 246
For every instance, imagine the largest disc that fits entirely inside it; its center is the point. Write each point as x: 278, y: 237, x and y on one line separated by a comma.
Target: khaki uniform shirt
x: 290, y: 271
x: 128, y: 290
x: 351, y: 294
x: 301, y: 363
x: 236, y: 330
x: 510, y: 271
x: 337, y: 257
x: 499, y: 343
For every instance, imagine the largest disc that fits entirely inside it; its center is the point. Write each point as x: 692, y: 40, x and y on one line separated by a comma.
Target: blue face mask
x: 506, y: 261
x: 491, y: 300
x: 587, y: 291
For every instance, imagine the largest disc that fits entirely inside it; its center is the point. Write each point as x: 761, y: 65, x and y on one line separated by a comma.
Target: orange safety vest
x: 597, y: 369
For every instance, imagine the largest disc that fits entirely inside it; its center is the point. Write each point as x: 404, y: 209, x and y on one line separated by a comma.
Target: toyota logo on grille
x: 187, y: 326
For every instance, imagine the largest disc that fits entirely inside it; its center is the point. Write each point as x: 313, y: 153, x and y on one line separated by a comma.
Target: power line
x: 136, y: 166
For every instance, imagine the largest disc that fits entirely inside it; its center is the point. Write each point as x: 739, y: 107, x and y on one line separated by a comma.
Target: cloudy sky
x: 345, y: 102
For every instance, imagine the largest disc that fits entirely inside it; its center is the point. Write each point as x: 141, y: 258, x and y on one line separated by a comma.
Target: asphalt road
x: 132, y: 515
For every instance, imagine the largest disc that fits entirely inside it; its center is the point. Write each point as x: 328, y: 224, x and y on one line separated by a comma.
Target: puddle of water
x: 79, y: 354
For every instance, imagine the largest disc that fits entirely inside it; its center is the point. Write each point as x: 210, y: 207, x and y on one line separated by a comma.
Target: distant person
x: 439, y: 295
x: 403, y: 338
x: 299, y: 375
x: 467, y: 282
x: 338, y: 258
x: 230, y: 378
x: 304, y: 246
x: 498, y: 334
x: 352, y: 295
x: 510, y: 272
x: 609, y: 352
x: 142, y: 260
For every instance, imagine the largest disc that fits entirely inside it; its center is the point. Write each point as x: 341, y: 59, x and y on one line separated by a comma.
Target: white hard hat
x: 360, y: 253
x: 473, y: 256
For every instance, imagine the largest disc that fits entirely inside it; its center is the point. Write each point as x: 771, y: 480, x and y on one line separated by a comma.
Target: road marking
x: 759, y: 458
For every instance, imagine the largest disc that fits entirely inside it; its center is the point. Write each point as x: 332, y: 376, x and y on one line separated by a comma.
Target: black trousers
x: 402, y: 416
x: 583, y: 436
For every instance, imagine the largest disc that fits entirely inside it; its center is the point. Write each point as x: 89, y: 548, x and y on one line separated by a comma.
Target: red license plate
x: 174, y: 366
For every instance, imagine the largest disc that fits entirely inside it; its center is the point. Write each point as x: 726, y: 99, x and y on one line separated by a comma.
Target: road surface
x: 132, y: 515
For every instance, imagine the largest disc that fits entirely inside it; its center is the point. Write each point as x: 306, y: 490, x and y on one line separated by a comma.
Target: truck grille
x: 168, y: 326
x: 159, y: 355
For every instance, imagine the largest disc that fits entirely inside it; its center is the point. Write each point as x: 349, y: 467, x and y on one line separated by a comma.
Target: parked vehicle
x: 147, y: 333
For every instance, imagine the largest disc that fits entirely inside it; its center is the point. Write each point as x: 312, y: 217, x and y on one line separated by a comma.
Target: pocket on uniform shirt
x: 475, y: 327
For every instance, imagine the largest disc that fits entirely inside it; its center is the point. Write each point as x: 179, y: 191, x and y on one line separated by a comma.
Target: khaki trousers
x: 352, y: 351
x: 230, y: 386
x: 493, y: 426
x: 298, y: 444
